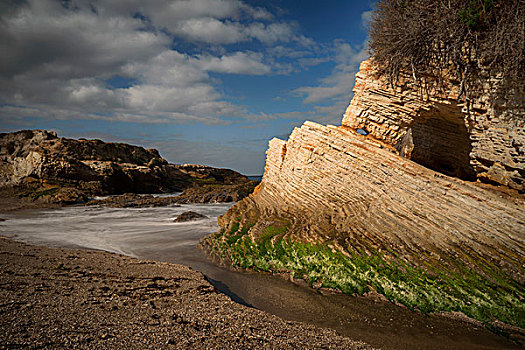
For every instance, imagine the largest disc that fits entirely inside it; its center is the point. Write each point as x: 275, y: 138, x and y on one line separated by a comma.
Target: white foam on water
x: 137, y: 232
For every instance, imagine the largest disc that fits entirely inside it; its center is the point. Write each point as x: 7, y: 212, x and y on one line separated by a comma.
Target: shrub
x: 439, y: 37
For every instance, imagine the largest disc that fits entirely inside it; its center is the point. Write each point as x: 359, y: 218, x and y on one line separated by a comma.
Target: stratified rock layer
x: 428, y: 124
x: 342, y: 210
x: 335, y: 185
x: 389, y: 212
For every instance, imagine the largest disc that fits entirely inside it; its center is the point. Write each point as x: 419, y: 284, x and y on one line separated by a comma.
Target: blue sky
x: 203, y: 81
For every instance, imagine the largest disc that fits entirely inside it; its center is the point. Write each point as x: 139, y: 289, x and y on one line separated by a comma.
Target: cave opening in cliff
x: 439, y: 140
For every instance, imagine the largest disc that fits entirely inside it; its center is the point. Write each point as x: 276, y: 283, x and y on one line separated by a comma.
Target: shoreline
x: 378, y: 323
x: 70, y: 298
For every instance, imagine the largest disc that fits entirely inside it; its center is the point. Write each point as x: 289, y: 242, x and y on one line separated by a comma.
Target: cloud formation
x: 72, y: 64
x: 56, y: 58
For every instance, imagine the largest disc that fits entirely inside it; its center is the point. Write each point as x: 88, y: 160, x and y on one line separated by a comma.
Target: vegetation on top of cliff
x: 439, y: 37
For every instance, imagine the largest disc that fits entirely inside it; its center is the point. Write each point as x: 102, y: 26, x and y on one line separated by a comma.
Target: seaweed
x: 444, y: 288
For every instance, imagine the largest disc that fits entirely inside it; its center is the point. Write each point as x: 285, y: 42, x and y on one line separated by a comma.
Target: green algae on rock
x: 344, y: 211
x: 485, y: 295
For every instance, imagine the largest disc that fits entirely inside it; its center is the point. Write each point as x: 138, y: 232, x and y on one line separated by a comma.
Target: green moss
x: 235, y: 234
x: 442, y: 289
x: 234, y: 228
x: 270, y: 232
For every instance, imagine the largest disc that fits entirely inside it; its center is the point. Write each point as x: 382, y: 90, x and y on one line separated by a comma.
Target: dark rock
x: 38, y: 164
x: 189, y: 216
x: 127, y: 200
x: 70, y: 195
x: 217, y: 193
x: 196, y: 194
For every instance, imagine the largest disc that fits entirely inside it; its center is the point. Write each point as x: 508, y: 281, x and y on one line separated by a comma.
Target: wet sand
x: 62, y: 298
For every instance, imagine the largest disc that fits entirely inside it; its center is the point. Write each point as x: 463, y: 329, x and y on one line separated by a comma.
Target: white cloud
x: 331, y: 114
x: 177, y: 10
x: 366, y: 17
x: 55, y: 58
x: 208, y: 21
x: 332, y: 94
x: 166, y: 14
x: 257, y: 12
x: 211, y: 30
x: 49, y: 40
x: 270, y: 33
x: 239, y: 63
x: 214, y: 31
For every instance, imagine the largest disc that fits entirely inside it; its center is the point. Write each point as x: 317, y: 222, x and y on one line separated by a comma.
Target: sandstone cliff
x: 353, y: 212
x: 484, y: 139
x: 41, y: 165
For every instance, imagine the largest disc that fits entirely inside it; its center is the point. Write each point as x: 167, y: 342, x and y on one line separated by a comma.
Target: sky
x: 203, y: 81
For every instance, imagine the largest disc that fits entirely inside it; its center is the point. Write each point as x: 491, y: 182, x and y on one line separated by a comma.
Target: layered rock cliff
x: 354, y: 212
x: 44, y: 166
x: 482, y: 138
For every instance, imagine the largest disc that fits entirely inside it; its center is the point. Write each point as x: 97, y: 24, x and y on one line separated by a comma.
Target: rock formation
x: 217, y: 193
x: 42, y: 165
x: 484, y: 140
x: 353, y: 212
x: 189, y: 216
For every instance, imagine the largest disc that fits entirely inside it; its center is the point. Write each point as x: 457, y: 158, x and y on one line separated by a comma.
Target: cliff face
x: 485, y: 140
x: 46, y: 165
x: 347, y: 211
x: 337, y: 186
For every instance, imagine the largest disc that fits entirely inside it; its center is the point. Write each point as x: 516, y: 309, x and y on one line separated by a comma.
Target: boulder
x: 189, y: 216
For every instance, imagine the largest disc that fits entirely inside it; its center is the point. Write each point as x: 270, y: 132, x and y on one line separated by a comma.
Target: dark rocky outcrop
x: 217, y: 193
x: 133, y: 200
x: 189, y: 216
x: 196, y: 194
x: 41, y: 166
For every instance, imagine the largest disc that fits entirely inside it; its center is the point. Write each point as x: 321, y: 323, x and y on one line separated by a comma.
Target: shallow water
x: 139, y: 232
x: 150, y: 233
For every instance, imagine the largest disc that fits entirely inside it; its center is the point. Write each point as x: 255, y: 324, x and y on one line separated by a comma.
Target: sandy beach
x: 61, y: 298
